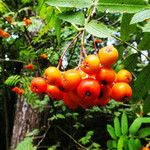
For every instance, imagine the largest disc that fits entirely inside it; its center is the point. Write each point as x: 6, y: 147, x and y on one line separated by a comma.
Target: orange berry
x: 106, y: 75
x: 38, y: 85
x: 44, y: 56
x: 91, y: 64
x: 27, y: 21
x: 124, y: 76
x: 121, y: 91
x: 71, y: 79
x: 54, y: 92
x: 29, y: 67
x: 52, y: 75
x: 108, y: 55
x: 18, y: 90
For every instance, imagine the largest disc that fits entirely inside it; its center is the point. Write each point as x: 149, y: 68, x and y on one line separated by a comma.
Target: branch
x: 130, y: 46
x: 65, y: 50
x: 84, y: 148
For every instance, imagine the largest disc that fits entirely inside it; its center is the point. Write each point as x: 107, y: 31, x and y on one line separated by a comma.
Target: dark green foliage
x: 55, y: 23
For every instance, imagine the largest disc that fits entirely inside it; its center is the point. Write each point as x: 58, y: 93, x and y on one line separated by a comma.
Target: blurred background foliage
x: 123, y: 23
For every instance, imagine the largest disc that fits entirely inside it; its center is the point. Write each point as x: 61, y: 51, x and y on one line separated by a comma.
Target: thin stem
x: 82, y: 43
x: 11, y: 60
x: 94, y: 44
x: 80, y: 59
x: 65, y: 50
x: 84, y: 148
x: 44, y: 135
x: 130, y: 46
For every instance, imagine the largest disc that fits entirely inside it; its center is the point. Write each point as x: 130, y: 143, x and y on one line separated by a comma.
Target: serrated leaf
x: 120, y: 143
x: 130, y: 62
x: 70, y: 3
x: 137, y: 124
x: 98, y: 29
x: 124, y: 124
x: 144, y: 43
x: 142, y: 82
x: 140, y: 16
x: 142, y: 133
x: 126, y: 28
x: 13, y: 80
x: 111, y: 131
x: 73, y: 17
x: 146, y: 27
x: 122, y: 6
x: 117, y: 127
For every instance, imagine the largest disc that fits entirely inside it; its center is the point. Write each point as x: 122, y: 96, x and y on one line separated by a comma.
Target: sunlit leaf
x: 98, y: 29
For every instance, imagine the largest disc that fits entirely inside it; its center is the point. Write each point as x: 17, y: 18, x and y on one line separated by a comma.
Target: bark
x: 26, y: 119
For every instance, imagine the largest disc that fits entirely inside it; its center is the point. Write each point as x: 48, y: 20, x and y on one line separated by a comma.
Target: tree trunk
x: 26, y: 119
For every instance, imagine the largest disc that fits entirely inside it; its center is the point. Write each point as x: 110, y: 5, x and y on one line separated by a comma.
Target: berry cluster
x: 94, y: 82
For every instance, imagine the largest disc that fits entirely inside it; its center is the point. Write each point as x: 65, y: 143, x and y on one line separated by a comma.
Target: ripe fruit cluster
x: 4, y: 34
x: 93, y: 83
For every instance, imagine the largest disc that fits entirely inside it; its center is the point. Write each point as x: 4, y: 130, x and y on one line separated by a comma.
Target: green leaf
x: 142, y: 133
x: 137, y: 144
x: 70, y: 3
x: 111, y: 144
x: 3, y: 7
x: 26, y: 144
x: 144, y: 43
x: 131, y: 144
x: 58, y: 29
x: 87, y: 138
x: 25, y: 1
x: 140, y: 16
x: 122, y: 6
x: 141, y: 85
x: 13, y: 80
x: 125, y: 143
x: 73, y: 17
x: 126, y: 28
x: 98, y: 29
x: 146, y: 108
x: 124, y: 124
x: 134, y: 144
x: 146, y: 28
x: 120, y: 143
x: 111, y: 131
x: 117, y: 127
x: 130, y: 62
x: 137, y: 124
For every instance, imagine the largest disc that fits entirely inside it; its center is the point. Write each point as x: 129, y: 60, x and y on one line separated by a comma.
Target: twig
x: 130, y: 46
x: 80, y: 59
x: 82, y: 43
x: 94, y: 44
x: 11, y: 60
x: 65, y: 50
x: 43, y: 136
x: 84, y: 148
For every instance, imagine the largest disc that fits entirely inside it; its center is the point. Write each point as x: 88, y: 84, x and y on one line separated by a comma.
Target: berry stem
x: 65, y: 50
x: 94, y: 44
x: 82, y: 43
